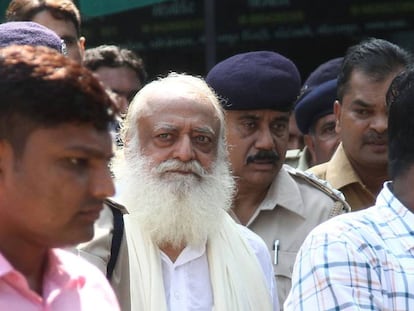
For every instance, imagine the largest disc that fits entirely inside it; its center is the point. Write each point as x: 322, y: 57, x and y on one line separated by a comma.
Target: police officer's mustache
x: 264, y: 156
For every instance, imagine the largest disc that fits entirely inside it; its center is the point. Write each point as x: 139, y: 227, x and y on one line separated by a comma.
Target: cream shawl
x: 237, y: 280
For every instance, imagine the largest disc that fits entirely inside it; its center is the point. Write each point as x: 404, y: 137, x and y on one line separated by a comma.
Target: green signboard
x: 92, y: 8
x: 3, y: 6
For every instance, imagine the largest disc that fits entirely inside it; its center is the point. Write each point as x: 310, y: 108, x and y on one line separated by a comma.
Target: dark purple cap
x: 256, y: 80
x: 324, y: 72
x: 316, y: 104
x: 29, y: 33
x: 318, y: 94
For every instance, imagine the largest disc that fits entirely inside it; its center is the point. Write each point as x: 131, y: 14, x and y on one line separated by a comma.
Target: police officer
x: 359, y: 166
x: 277, y: 202
x: 315, y: 116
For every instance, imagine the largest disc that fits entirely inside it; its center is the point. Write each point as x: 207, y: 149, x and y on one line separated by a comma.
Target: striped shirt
x: 358, y: 261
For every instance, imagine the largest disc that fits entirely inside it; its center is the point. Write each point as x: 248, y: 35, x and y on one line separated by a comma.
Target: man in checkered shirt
x: 365, y: 260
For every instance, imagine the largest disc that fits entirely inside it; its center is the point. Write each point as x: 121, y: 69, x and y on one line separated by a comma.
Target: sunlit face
x: 173, y: 127
x: 51, y: 195
x: 257, y: 142
x: 66, y: 30
x: 121, y: 80
x: 362, y: 120
x: 322, y: 140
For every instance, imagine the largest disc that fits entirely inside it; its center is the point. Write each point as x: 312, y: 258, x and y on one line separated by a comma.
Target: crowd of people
x: 118, y: 192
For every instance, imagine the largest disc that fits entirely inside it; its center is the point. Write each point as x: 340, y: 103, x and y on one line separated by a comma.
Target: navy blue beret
x: 29, y: 33
x: 256, y: 80
x: 324, y: 72
x: 316, y: 104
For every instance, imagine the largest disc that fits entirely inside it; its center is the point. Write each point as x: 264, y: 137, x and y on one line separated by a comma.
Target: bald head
x: 171, y: 106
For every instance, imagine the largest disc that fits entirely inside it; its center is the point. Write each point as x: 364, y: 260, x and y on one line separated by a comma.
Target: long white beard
x: 174, y: 209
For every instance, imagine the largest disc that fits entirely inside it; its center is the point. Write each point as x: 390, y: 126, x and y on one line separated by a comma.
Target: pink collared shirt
x: 70, y: 283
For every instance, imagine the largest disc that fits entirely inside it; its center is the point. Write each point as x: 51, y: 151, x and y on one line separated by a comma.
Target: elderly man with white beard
x: 180, y: 249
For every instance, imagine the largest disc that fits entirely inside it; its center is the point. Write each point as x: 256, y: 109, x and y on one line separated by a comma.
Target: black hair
x: 114, y: 56
x: 377, y: 58
x: 400, y: 104
x: 41, y: 88
x: 25, y: 10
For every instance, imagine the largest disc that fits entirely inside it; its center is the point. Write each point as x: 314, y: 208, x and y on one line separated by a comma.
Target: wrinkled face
x: 66, y: 31
x: 179, y: 128
x: 362, y: 120
x: 51, y: 195
x: 123, y: 81
x: 257, y: 142
x: 323, y: 139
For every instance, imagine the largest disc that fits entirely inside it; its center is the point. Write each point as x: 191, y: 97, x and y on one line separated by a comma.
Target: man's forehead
x: 64, y: 28
x: 194, y: 127
x: 72, y: 136
x: 258, y: 114
x: 328, y: 118
x: 119, y: 79
x: 184, y: 105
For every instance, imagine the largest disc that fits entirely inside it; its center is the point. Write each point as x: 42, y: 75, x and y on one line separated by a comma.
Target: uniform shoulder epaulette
x: 292, y: 157
x: 116, y: 205
x: 323, y: 186
x: 293, y: 153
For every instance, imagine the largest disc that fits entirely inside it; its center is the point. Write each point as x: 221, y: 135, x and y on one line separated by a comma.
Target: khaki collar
x: 283, y: 192
x: 339, y: 170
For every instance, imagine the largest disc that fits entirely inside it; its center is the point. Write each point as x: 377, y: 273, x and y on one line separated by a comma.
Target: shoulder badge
x: 292, y: 157
x: 341, y: 206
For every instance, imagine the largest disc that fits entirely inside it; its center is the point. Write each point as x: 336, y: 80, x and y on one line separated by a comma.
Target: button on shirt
x: 70, y: 283
x: 358, y: 261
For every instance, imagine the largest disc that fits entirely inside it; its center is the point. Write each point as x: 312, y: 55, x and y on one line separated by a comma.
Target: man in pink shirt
x: 55, y: 146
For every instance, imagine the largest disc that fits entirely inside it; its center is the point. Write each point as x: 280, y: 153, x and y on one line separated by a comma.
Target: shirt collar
x: 5, y: 266
x: 339, y: 171
x: 188, y: 254
x: 284, y: 192
x: 57, y: 271
x: 54, y: 264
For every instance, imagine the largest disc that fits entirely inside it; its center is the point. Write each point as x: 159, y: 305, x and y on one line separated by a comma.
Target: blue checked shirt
x: 358, y: 261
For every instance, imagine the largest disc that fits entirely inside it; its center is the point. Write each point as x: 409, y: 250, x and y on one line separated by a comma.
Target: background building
x: 192, y: 35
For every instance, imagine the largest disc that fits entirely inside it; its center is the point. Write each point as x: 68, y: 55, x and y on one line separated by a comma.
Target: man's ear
x: 81, y: 43
x: 337, y: 112
x: 6, y: 158
x: 311, y: 147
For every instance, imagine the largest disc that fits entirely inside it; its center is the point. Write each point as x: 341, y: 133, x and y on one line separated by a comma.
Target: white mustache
x: 177, y: 165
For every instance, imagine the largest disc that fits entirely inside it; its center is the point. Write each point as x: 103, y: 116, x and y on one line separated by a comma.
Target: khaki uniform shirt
x: 294, y: 205
x: 303, y: 163
x: 292, y: 157
x: 98, y: 252
x: 298, y: 158
x: 342, y: 176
